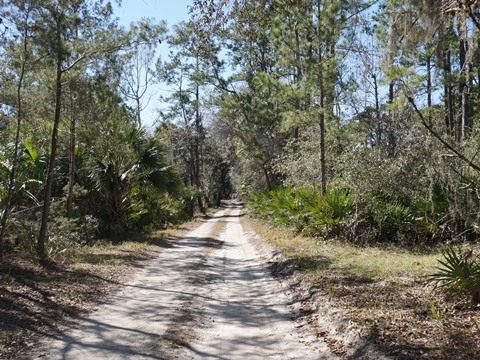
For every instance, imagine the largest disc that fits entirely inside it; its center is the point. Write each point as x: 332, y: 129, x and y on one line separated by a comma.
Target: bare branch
x: 438, y: 136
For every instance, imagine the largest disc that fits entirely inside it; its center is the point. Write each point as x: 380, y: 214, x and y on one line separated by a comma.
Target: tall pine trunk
x: 42, y: 237
x: 448, y: 94
x: 322, y: 96
x: 71, y: 157
x: 429, y: 88
x: 463, y: 123
x: 377, y: 111
x: 13, y: 170
x: 392, y: 140
x: 197, y: 144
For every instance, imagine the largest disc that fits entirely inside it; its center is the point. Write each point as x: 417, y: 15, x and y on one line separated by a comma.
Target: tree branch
x: 438, y: 136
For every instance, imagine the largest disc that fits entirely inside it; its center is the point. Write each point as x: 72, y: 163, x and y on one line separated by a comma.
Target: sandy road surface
x: 208, y: 297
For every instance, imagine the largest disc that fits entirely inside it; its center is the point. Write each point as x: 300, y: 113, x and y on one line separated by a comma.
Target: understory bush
x: 304, y: 209
x: 159, y: 210
x: 369, y: 217
x: 459, y: 273
x: 64, y: 233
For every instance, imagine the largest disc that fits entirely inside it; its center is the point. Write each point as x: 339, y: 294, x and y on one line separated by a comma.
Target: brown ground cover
x: 35, y: 300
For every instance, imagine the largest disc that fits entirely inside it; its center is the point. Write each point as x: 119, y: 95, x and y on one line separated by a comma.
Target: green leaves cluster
x: 305, y: 210
x: 459, y: 273
x: 124, y: 168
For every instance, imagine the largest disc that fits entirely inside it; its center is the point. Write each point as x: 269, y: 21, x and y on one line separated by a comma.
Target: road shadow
x: 38, y: 300
x: 232, y: 204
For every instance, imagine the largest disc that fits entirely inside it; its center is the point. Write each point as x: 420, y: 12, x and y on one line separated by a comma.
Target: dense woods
x: 77, y: 164
x: 358, y: 118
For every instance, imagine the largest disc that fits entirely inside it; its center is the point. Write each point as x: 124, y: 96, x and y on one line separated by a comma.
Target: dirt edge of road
x: 312, y: 308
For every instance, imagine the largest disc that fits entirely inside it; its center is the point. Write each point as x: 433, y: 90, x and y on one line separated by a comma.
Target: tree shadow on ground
x: 462, y: 345
x: 229, y: 216
x: 33, y: 298
x: 287, y: 267
x: 113, y: 259
x: 393, y: 301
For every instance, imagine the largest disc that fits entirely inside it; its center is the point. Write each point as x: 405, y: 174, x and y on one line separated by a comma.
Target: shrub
x: 304, y: 209
x: 391, y: 219
x: 459, y: 274
x: 63, y: 233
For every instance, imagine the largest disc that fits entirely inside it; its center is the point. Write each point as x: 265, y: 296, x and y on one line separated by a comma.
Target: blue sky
x: 172, y: 11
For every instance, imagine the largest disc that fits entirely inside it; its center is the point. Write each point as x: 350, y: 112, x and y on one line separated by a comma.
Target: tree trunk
x: 323, y: 167
x: 377, y: 111
x: 197, y: 150
x: 139, y: 111
x: 463, y: 123
x: 392, y: 141
x: 298, y: 79
x: 223, y: 177
x: 71, y: 157
x: 42, y: 237
x: 267, y: 178
x: 449, y: 95
x: 429, y: 88
x: 11, y: 179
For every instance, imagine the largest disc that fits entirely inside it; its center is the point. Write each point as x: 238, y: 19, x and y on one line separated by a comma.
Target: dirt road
x: 208, y: 297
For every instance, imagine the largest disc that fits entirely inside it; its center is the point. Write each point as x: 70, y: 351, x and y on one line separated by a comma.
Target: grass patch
x: 377, y: 263
x: 385, y: 290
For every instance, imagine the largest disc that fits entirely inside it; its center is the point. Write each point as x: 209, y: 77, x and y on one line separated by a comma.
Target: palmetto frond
x: 459, y: 273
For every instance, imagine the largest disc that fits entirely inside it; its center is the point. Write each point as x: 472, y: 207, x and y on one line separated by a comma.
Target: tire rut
x: 245, y: 315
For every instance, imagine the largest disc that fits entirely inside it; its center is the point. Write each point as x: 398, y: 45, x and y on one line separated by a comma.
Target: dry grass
x: 385, y: 290
x: 372, y: 262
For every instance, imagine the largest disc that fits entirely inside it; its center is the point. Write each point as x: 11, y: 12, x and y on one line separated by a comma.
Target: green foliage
x: 157, y: 210
x: 30, y: 171
x: 370, y: 218
x: 436, y: 312
x: 340, y: 201
x: 305, y: 209
x: 66, y: 232
x: 459, y: 273
x: 389, y: 218
x: 22, y: 234
x: 125, y: 180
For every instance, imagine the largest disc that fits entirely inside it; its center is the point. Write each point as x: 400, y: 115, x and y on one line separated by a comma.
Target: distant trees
x: 187, y: 72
